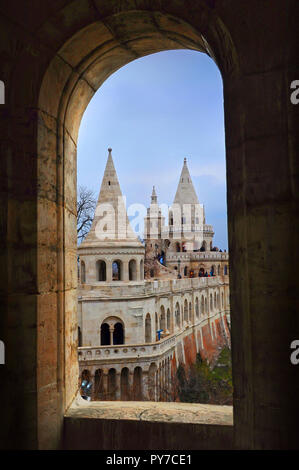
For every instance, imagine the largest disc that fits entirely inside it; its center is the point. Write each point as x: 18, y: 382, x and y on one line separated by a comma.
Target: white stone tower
x: 111, y: 251
x: 187, y: 225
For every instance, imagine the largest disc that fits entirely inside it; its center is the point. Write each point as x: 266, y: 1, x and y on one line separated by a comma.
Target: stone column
x: 125, y: 271
x: 109, y: 271
x: 117, y: 386
x: 130, y: 384
x: 145, y: 385
x: 111, y: 330
x: 105, y: 383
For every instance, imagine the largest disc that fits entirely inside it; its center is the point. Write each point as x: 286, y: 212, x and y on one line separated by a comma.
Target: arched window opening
x: 202, y: 302
x: 117, y: 270
x: 178, y: 247
x: 218, y: 271
x: 190, y: 311
x: 177, y: 315
x: 197, y: 307
x: 83, y: 275
x: 101, y: 271
x: 105, y: 334
x: 206, y: 305
x: 186, y: 311
x: 137, y: 384
x: 148, y: 329
x: 162, y: 319
x: 111, y: 384
x: 79, y: 337
x: 168, y: 320
x: 225, y: 269
x: 215, y: 301
x: 118, y: 334
x: 132, y: 270
x: 99, y: 385
x: 211, y: 302
x: 124, y: 384
x: 185, y: 271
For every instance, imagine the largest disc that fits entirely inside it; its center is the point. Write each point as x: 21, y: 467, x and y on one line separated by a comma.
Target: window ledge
x: 174, y: 412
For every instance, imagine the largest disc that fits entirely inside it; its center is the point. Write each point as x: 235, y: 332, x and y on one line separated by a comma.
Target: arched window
x: 162, y: 319
x: 168, y: 320
x: 118, y: 334
x: 117, y: 270
x: 83, y: 277
x: 202, y: 305
x: 156, y: 323
x: 124, y: 384
x: 79, y: 337
x: 215, y: 302
x: 178, y: 247
x: 148, y: 329
x: 132, y: 270
x: 197, y: 307
x: 218, y: 272
x: 101, y: 270
x: 186, y: 311
x: 112, y: 384
x: 190, y: 311
x: 177, y: 315
x: 137, y: 384
x: 185, y: 271
x: 105, y: 334
x: 99, y: 393
x: 222, y: 300
x: 206, y: 305
x: 211, y: 302
x: 203, y: 246
x: 225, y: 269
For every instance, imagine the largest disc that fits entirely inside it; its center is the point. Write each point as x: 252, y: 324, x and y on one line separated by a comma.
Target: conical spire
x: 110, y: 223
x: 185, y: 193
x: 154, y: 198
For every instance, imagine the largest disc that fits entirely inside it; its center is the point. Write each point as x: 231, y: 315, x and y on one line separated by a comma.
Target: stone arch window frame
x: 120, y: 264
x: 133, y: 260
x: 82, y: 271
x: 111, y: 321
x: 99, y: 261
x: 168, y: 319
x: 162, y: 318
x: 197, y: 307
x: 70, y: 101
x: 177, y: 314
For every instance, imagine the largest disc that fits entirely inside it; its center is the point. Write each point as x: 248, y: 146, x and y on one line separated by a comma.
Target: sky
x: 153, y: 112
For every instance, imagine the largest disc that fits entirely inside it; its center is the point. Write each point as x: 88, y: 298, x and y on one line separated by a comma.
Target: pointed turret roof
x: 111, y: 223
x: 154, y: 198
x: 185, y: 193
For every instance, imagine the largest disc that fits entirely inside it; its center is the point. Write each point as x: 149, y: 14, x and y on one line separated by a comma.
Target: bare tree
x: 86, y: 204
